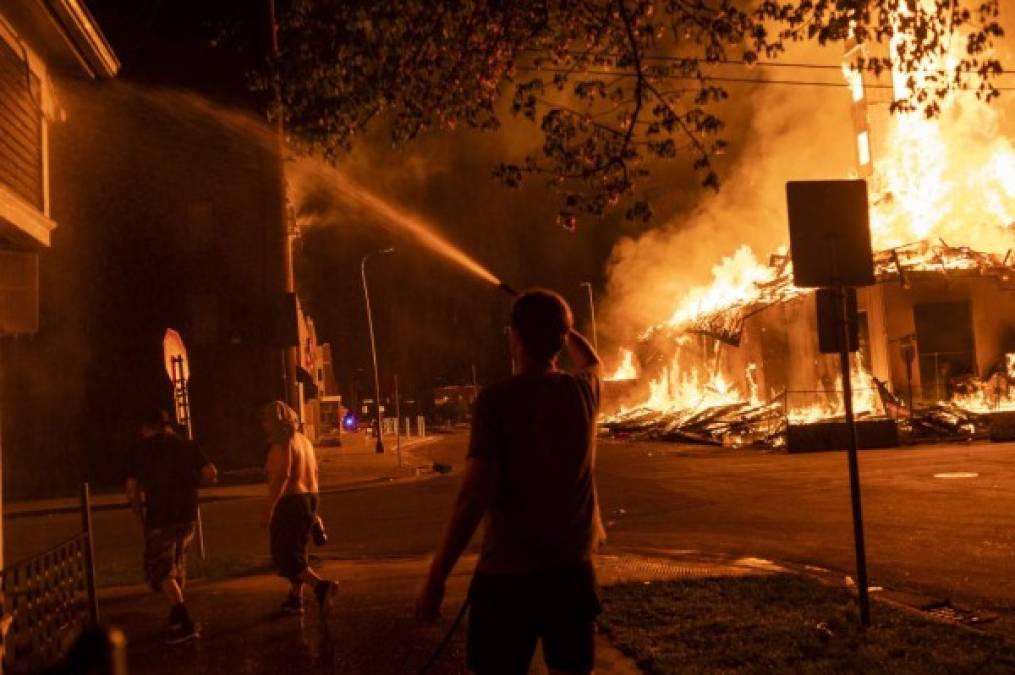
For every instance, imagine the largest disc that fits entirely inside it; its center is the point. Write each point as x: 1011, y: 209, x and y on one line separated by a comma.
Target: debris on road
x: 947, y: 611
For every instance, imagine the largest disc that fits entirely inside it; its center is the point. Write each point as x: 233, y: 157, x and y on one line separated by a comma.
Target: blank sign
x: 829, y: 232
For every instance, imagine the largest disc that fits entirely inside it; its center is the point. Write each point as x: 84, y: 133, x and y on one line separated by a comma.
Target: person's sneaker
x: 293, y: 605
x: 325, y: 593
x: 185, y: 632
x: 178, y: 617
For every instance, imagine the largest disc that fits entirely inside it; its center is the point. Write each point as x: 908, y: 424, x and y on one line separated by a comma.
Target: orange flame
x: 626, y: 370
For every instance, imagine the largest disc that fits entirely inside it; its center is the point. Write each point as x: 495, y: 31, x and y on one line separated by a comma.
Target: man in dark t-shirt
x: 163, y: 474
x: 530, y: 473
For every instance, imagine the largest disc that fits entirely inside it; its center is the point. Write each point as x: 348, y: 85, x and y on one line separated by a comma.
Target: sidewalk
x: 352, y: 465
x: 370, y: 631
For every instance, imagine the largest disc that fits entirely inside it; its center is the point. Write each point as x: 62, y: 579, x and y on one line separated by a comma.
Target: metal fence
x: 49, y: 600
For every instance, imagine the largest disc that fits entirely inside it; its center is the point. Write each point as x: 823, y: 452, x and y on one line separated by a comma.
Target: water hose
x: 447, y: 637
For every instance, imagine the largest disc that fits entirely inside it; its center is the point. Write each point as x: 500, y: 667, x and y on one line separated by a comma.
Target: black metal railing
x: 49, y: 600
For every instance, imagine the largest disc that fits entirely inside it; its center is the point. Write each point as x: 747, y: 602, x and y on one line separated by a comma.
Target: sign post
x: 831, y: 250
x: 178, y: 369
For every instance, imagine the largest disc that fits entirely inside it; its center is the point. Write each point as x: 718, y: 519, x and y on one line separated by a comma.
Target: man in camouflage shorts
x: 163, y: 474
x: 165, y: 554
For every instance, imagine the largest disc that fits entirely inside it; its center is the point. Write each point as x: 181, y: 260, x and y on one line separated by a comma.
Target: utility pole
x: 290, y: 352
x: 592, y: 312
x: 373, y: 348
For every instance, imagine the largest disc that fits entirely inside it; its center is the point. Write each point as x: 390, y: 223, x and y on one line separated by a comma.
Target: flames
x: 950, y: 179
x: 997, y: 393
x: 865, y: 399
x: 944, y: 181
x: 688, y: 386
x: 626, y: 370
x: 735, y: 279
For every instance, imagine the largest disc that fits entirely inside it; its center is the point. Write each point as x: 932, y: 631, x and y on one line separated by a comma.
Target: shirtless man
x: 291, y: 508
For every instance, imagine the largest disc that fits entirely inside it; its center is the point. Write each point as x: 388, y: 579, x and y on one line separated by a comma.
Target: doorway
x: 944, y: 340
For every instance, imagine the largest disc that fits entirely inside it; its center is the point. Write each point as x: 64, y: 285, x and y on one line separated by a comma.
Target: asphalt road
x: 941, y: 537
x: 946, y: 538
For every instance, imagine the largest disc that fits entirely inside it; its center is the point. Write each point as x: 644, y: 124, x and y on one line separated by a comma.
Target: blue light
x: 350, y: 423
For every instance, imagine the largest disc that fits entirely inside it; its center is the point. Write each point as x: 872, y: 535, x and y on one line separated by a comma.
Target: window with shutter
x: 21, y: 142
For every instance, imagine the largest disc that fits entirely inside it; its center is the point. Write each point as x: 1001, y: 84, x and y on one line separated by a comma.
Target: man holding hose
x: 530, y: 472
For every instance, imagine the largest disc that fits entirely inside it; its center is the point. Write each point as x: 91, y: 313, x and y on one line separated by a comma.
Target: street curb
x: 380, y: 481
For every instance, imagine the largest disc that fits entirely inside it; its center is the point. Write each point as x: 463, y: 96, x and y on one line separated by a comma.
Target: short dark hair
x: 541, y: 319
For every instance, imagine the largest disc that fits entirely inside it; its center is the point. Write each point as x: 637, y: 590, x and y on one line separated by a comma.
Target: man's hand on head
x: 582, y: 353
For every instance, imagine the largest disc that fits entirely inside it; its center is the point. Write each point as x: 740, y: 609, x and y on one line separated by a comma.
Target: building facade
x: 41, y: 43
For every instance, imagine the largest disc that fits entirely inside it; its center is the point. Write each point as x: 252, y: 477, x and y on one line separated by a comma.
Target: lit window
x: 863, y: 148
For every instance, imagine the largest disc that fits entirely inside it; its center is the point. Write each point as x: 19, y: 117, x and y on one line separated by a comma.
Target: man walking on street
x: 530, y: 472
x: 163, y: 474
x: 291, y: 509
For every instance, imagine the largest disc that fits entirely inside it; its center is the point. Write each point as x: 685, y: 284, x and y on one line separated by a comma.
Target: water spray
x: 341, y: 185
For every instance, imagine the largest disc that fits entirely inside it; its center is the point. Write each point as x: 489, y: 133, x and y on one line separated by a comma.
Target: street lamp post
x: 290, y: 352
x: 373, y: 348
x: 592, y: 311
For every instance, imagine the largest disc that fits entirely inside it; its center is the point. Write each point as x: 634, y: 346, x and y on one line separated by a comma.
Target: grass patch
x: 216, y: 567
x: 784, y: 623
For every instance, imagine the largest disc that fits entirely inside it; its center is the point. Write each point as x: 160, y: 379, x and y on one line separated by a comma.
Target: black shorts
x: 510, y: 613
x: 290, y: 533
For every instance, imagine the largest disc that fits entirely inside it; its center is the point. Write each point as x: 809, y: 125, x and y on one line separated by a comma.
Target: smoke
x: 795, y: 133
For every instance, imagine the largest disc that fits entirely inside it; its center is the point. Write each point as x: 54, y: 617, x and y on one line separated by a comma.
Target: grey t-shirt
x: 541, y: 431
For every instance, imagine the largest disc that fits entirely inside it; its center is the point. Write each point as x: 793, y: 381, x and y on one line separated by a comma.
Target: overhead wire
x: 730, y: 62
x: 715, y: 78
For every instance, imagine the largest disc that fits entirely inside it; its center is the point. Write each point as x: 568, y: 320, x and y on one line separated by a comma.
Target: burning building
x: 937, y: 335
x: 738, y: 360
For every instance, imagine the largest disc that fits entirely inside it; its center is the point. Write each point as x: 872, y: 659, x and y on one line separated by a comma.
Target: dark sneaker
x: 179, y: 617
x: 325, y: 594
x: 183, y: 633
x: 293, y: 605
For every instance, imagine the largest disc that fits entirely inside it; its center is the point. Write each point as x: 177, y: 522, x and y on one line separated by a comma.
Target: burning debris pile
x: 726, y: 424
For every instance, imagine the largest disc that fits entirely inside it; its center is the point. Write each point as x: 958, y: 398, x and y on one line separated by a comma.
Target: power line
x: 767, y: 64
x: 730, y: 62
x: 710, y: 78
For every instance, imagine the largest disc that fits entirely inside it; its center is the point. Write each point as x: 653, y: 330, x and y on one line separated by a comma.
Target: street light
x: 373, y: 346
x: 592, y: 310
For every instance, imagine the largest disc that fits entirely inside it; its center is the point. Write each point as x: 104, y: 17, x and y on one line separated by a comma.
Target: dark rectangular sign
x: 829, y: 232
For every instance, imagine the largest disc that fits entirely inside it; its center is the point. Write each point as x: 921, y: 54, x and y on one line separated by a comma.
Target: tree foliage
x: 611, y: 85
